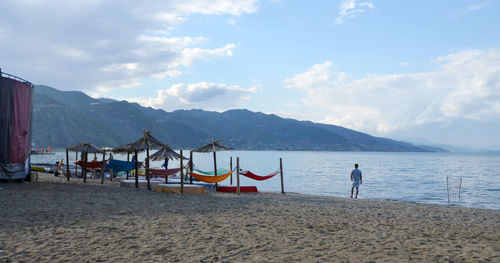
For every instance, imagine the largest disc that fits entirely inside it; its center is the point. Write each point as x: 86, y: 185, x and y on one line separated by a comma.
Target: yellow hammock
x: 211, y: 179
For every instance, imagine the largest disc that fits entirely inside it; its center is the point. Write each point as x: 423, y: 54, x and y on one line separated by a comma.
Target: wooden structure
x: 281, y: 175
x: 84, y: 148
x: 166, y: 153
x: 212, y: 146
x: 233, y: 189
x: 238, y: 176
x: 182, y: 175
x: 145, y: 143
x: 231, y: 168
x: 104, y: 150
x: 176, y: 189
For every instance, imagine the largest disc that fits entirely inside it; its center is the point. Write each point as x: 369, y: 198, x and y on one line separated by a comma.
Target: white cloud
x: 478, y: 6
x: 233, y: 7
x: 5, y: 32
x: 103, y: 45
x: 471, y: 8
x: 350, y: 8
x: 465, y: 84
x: 208, y: 96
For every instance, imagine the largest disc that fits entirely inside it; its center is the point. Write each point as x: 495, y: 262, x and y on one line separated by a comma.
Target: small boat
x: 43, y: 167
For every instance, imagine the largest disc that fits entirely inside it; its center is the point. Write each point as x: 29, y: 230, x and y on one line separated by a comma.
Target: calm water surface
x: 414, y: 177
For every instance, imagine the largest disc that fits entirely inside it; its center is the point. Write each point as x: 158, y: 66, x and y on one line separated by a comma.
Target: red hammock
x: 164, y: 172
x: 258, y: 177
x: 93, y: 164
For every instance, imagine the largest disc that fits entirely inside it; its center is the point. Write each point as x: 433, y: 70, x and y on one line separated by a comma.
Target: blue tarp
x: 117, y: 165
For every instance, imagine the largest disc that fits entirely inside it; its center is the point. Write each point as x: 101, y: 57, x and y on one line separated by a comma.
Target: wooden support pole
x: 182, y: 175
x: 147, y: 167
x: 190, y: 166
x: 231, y: 168
x: 102, y: 167
x: 128, y: 160
x: 166, y: 167
x: 76, y: 166
x: 67, y: 165
x: 215, y: 168
x: 136, y: 172
x: 281, y: 174
x: 84, y: 172
x: 238, y: 175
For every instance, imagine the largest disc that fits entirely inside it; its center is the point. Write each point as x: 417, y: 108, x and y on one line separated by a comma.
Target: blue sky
x: 422, y: 71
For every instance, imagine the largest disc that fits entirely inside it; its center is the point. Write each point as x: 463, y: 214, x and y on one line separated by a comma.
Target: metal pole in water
x: 459, y: 189
x: 448, y: 189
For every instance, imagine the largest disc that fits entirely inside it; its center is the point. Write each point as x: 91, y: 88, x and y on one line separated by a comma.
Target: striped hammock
x: 164, y: 172
x: 219, y: 171
x: 211, y: 179
x: 258, y: 177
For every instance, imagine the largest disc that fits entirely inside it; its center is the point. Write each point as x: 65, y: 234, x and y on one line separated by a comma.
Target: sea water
x: 407, y: 176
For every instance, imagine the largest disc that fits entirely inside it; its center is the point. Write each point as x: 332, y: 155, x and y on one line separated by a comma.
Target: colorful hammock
x: 211, y: 179
x: 164, y: 172
x: 118, y: 166
x: 219, y: 171
x: 93, y: 164
x: 258, y: 177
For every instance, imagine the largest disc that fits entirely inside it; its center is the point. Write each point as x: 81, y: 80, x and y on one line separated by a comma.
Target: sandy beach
x: 51, y: 220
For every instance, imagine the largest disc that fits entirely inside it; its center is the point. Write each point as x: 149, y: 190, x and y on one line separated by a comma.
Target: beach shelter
x: 145, y: 143
x: 166, y: 153
x: 84, y: 148
x: 212, y: 146
x: 104, y: 151
x: 16, y: 102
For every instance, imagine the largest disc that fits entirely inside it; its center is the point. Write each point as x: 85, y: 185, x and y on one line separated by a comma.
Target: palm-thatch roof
x: 106, y: 149
x: 145, y: 142
x: 84, y: 147
x: 213, y: 146
x: 166, y: 152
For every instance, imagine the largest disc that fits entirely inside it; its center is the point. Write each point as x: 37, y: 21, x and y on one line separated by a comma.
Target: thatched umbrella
x: 166, y: 153
x: 85, y: 148
x: 212, y: 146
x: 145, y: 143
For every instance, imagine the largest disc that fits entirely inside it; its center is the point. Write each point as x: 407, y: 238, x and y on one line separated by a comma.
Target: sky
x: 420, y: 71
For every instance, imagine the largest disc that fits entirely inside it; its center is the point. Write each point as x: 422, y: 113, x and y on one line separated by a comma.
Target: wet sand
x: 51, y: 220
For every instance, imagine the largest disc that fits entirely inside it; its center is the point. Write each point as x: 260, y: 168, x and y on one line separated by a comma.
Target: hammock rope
x: 258, y: 177
x: 211, y: 179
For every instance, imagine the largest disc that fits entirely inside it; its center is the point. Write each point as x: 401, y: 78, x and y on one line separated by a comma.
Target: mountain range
x: 64, y: 118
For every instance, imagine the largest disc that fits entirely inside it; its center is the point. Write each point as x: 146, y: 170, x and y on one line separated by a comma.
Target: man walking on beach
x: 356, y: 179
